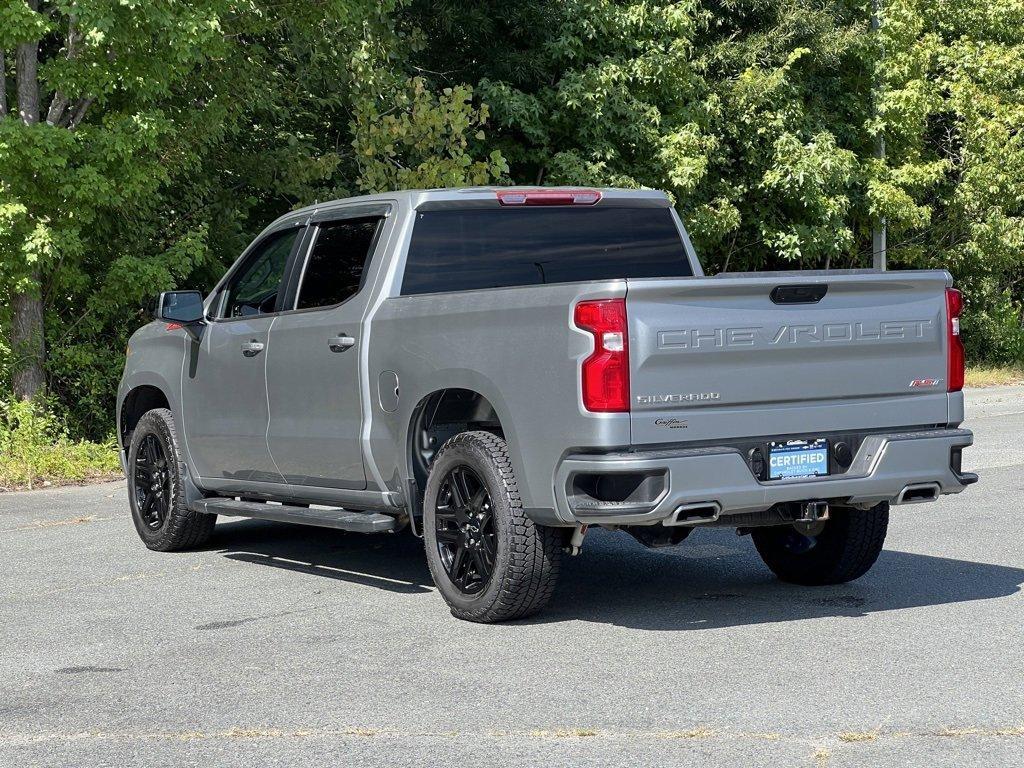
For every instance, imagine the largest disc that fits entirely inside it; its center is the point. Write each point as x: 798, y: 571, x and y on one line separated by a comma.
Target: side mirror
x: 185, y: 307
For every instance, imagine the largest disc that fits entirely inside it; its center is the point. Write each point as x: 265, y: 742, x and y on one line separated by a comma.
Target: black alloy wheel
x: 489, y: 560
x: 152, y: 483
x: 157, y: 487
x: 467, y: 541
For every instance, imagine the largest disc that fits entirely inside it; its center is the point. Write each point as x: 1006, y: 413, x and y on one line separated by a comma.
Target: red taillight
x: 605, y: 374
x: 548, y: 196
x: 955, y: 345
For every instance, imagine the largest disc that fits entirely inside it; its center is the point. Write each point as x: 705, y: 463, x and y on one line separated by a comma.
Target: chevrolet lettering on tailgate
x: 760, y: 336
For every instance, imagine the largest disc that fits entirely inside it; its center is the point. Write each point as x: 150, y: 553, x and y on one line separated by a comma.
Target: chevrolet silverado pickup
x: 496, y: 370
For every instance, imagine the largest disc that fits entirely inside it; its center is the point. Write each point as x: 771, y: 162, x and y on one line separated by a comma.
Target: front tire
x: 844, y: 550
x: 489, y: 560
x: 156, y: 488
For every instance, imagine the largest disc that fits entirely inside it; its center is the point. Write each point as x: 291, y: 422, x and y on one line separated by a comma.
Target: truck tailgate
x: 715, y: 358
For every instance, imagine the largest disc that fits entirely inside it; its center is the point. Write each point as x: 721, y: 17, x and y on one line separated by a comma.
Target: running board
x: 341, y: 519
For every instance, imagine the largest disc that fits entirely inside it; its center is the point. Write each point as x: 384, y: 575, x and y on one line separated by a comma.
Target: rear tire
x: 489, y: 560
x: 156, y: 488
x: 846, y: 548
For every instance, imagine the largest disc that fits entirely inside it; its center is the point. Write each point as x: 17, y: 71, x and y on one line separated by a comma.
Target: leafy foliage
x: 179, y: 129
x: 748, y: 113
x: 204, y: 121
x: 952, y: 106
x: 763, y: 119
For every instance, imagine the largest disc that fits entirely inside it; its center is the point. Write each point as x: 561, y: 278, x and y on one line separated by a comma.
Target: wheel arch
x: 136, y: 403
x: 440, y: 415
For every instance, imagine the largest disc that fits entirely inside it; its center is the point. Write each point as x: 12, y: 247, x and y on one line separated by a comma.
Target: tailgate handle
x: 799, y: 294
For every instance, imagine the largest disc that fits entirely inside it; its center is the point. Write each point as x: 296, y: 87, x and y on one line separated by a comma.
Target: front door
x: 313, y: 365
x: 224, y: 393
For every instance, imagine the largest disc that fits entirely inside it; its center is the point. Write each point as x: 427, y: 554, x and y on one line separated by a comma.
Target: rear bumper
x: 884, y: 468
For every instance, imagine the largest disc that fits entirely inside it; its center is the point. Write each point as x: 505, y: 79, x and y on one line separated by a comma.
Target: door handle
x: 252, y: 348
x: 340, y: 343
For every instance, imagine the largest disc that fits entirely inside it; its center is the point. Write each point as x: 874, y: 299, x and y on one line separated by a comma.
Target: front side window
x: 253, y: 291
x: 337, y: 263
x: 469, y: 249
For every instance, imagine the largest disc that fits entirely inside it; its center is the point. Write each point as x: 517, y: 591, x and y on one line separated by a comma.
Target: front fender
x: 155, y: 358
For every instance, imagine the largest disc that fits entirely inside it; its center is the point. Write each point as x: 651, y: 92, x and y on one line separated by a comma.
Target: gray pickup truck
x: 496, y: 370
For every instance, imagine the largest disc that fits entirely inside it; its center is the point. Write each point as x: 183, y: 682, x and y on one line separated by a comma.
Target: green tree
x: 156, y: 138
x: 952, y: 184
x: 86, y: 138
x: 143, y: 144
x: 760, y: 118
x: 749, y: 113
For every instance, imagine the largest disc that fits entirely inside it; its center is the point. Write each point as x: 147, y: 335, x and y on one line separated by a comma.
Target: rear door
x: 224, y: 394
x: 759, y: 355
x: 313, y: 369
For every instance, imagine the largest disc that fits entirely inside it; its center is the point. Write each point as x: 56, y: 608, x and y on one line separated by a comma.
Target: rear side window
x: 469, y: 249
x: 337, y: 264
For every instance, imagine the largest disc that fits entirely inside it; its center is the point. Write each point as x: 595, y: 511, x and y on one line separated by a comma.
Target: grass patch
x: 983, y: 376
x: 35, y: 450
x: 1017, y: 730
x: 693, y: 733
x: 564, y: 733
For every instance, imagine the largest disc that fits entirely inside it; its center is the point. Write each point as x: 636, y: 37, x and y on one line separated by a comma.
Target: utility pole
x: 878, y: 232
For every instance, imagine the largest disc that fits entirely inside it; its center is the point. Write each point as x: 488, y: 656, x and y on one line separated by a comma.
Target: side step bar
x: 341, y: 519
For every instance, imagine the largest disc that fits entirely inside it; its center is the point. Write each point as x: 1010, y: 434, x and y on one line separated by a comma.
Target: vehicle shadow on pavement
x: 715, y: 579
x: 394, y: 562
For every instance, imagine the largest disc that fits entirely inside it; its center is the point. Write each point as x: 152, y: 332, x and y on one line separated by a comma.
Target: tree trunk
x: 79, y: 113
x: 60, y: 101
x: 28, y: 81
x: 57, y: 107
x: 28, y: 344
x: 27, y: 341
x: 3, y: 86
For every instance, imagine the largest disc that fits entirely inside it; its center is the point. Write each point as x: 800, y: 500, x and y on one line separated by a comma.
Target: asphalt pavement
x: 279, y: 645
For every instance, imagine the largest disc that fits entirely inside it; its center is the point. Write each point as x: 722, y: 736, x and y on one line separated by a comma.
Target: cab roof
x: 485, y: 197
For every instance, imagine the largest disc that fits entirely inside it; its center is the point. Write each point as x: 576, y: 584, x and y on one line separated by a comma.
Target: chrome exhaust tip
x: 695, y: 514
x: 918, y: 493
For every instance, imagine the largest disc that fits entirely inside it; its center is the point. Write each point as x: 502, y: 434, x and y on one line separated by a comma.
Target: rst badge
x: 923, y: 383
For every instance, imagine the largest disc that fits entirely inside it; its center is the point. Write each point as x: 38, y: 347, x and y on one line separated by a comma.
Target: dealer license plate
x: 797, y: 458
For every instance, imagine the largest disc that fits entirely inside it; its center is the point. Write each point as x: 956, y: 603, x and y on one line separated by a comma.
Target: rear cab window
x: 465, y: 249
x: 336, y: 268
